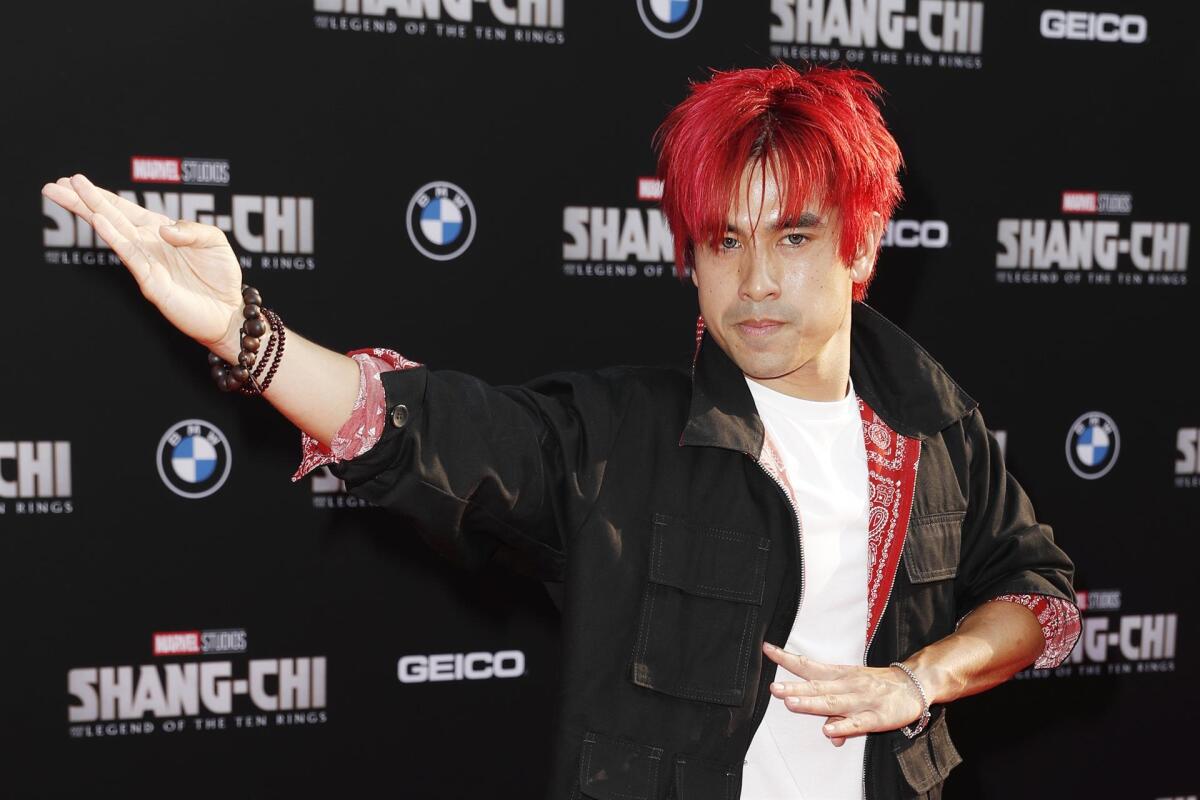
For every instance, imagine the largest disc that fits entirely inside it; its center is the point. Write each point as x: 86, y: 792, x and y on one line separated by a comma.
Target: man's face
x: 778, y: 301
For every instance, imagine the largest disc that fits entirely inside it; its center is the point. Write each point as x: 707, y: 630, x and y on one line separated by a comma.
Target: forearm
x: 314, y: 387
x: 994, y: 642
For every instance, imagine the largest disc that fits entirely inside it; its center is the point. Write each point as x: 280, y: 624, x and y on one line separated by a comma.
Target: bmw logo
x: 1092, y: 445
x: 193, y: 458
x: 441, y: 220
x: 669, y: 19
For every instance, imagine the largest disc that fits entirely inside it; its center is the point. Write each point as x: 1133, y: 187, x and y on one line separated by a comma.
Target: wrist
x: 934, y: 677
x: 254, y: 367
x: 231, y: 343
x: 922, y: 696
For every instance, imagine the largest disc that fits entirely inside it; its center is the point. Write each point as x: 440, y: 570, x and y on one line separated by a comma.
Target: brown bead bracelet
x: 240, y: 377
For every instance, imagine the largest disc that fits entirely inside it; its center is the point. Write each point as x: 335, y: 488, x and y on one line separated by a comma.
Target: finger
x: 99, y: 204
x: 192, y: 234
x: 131, y: 255
x: 66, y: 197
x: 64, y: 194
x: 136, y: 214
x: 800, y: 665
x: 811, y: 688
x: 836, y: 741
x: 824, y: 704
x: 853, y: 725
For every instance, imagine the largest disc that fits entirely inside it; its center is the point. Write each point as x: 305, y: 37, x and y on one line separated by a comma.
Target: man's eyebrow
x: 805, y: 220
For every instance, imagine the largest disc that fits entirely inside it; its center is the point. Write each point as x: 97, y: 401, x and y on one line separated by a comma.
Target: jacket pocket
x: 926, y: 761
x: 697, y: 779
x: 696, y: 630
x: 931, y: 553
x: 617, y: 769
x: 932, y: 546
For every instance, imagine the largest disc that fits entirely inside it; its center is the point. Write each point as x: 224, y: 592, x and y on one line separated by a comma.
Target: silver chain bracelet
x: 924, y: 720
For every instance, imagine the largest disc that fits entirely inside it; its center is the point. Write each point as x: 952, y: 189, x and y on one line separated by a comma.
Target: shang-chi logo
x: 173, y: 169
x: 1120, y: 637
x: 257, y: 223
x: 940, y: 26
x: 180, y: 643
x: 1135, y: 637
x: 40, y: 469
x: 191, y: 688
x: 527, y: 12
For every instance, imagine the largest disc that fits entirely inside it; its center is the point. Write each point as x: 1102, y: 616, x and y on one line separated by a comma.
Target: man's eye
x: 796, y: 238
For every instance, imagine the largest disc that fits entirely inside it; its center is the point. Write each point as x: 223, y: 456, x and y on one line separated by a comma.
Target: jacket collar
x: 906, y: 387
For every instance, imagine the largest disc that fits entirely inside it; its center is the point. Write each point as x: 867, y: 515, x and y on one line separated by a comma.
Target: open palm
x: 187, y: 270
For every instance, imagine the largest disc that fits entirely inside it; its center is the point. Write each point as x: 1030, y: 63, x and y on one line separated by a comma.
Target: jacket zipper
x: 886, y: 600
x: 799, y: 546
x: 799, y: 540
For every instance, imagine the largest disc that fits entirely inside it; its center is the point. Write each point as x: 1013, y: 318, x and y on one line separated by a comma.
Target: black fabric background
x: 358, y: 122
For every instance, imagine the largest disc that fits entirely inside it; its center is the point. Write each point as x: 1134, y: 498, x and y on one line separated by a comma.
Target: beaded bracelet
x: 229, y: 377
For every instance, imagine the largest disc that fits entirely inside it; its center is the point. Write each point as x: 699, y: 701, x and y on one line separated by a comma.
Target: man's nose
x: 759, y: 278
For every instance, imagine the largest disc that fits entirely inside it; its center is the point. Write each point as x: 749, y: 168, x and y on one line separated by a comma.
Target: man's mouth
x: 759, y: 327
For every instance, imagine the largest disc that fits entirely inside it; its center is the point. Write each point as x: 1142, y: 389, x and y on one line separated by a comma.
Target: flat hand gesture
x: 857, y: 700
x: 187, y: 270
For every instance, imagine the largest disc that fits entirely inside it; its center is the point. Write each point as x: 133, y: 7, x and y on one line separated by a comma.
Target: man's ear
x: 864, y: 258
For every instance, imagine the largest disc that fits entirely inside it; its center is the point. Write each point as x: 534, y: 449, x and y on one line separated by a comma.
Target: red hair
x: 820, y: 131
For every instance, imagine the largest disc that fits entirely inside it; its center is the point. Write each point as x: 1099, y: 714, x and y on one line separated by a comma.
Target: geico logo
x: 1127, y: 28
x: 932, y: 233
x: 461, y: 666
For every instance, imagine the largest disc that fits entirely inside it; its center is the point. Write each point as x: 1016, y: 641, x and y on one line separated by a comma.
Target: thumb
x: 184, y: 233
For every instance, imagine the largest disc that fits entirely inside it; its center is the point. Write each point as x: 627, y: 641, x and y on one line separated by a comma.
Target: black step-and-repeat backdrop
x: 468, y: 183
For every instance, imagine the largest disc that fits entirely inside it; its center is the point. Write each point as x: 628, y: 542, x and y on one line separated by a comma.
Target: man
x: 778, y: 569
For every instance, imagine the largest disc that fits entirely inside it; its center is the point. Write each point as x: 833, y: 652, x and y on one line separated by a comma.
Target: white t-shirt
x: 825, y: 461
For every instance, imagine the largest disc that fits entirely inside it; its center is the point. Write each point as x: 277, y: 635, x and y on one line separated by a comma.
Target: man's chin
x: 761, y: 369
x: 757, y: 359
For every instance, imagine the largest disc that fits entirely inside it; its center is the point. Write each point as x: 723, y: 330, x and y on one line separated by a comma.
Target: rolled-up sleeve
x: 362, y: 429
x: 1007, y: 554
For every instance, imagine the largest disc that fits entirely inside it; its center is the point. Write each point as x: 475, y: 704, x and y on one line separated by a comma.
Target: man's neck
x: 823, y: 393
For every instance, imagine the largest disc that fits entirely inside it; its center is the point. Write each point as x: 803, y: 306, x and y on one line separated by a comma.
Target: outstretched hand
x: 856, y: 699
x: 186, y: 269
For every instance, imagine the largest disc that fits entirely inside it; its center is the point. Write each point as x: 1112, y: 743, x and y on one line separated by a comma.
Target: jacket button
x: 400, y: 415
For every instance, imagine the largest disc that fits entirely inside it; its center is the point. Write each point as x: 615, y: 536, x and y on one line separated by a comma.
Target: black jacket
x: 638, y: 488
